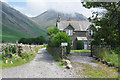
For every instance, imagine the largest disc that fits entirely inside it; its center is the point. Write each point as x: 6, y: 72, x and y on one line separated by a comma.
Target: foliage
x: 58, y: 39
x: 18, y: 60
x: 117, y: 50
x: 109, y: 56
x: 109, y: 22
x: 62, y: 64
x: 38, y: 40
x: 52, y: 31
x: 10, y: 49
x: 80, y: 44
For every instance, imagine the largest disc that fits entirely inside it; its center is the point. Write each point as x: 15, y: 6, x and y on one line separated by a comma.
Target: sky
x: 33, y: 8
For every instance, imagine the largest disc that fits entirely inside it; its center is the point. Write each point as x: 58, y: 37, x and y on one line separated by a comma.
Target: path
x: 77, y: 57
x: 43, y: 66
x: 87, y: 67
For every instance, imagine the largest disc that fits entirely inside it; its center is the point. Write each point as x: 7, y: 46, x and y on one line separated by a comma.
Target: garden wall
x: 55, y: 50
x: 25, y: 48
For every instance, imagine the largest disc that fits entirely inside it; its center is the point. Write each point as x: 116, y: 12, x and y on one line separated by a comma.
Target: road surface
x: 43, y: 66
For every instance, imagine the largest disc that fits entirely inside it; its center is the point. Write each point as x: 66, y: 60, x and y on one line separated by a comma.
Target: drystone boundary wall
x: 24, y: 47
x: 55, y: 50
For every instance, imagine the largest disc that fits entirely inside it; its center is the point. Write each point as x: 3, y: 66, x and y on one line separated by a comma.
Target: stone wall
x: 25, y: 48
x: 29, y: 48
x: 55, y: 50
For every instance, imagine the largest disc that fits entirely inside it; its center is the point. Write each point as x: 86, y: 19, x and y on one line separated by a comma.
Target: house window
x: 91, y: 32
x: 69, y: 32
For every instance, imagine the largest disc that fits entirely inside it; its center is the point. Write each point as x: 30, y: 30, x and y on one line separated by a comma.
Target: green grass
x: 80, y: 51
x: 62, y: 64
x: 10, y: 34
x: 18, y: 61
x: 100, y: 71
x: 109, y: 56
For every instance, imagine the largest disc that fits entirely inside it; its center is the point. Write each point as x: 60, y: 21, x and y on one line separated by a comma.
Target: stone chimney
x: 58, y: 20
x: 69, y: 19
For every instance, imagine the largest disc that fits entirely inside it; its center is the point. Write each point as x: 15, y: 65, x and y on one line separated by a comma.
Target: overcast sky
x: 33, y: 8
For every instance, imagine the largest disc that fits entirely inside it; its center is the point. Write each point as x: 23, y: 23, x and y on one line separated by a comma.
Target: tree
x: 109, y: 22
x: 38, y: 40
x: 58, y: 39
x: 52, y: 31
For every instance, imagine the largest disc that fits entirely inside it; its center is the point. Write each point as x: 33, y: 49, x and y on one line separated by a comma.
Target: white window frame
x: 91, y: 32
x: 69, y: 32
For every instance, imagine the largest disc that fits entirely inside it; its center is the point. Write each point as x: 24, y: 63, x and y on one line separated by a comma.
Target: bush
x: 24, y: 55
x: 58, y: 39
x: 117, y: 50
x: 38, y: 40
x: 80, y: 44
x: 52, y: 31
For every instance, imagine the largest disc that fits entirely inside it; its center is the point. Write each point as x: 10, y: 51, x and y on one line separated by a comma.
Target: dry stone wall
x: 56, y: 50
x: 24, y: 47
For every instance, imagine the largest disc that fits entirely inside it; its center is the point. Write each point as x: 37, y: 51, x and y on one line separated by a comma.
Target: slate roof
x: 77, y: 25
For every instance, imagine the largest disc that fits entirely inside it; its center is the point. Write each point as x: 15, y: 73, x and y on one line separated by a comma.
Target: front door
x: 85, y: 45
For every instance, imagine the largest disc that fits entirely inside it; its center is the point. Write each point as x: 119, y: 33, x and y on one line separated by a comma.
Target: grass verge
x: 90, y: 71
x: 62, y: 64
x: 109, y: 56
x: 80, y: 51
x: 18, y: 61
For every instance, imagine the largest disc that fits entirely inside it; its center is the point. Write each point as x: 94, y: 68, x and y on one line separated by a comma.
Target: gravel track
x: 43, y: 66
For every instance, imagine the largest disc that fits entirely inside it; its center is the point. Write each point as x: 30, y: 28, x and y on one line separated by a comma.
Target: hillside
x: 49, y: 18
x: 15, y: 25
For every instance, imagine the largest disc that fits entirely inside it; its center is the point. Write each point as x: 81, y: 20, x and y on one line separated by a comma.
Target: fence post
x: 16, y: 46
x: 91, y: 51
x: 62, y: 52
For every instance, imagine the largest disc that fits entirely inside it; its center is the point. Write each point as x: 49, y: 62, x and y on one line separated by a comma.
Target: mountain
x: 49, y: 18
x: 15, y: 25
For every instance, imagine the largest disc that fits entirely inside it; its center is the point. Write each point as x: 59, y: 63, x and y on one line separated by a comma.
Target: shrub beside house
x: 80, y: 45
x: 54, y: 43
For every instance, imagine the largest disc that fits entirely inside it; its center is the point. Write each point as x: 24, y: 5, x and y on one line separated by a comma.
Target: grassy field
x: 80, y: 51
x: 17, y: 61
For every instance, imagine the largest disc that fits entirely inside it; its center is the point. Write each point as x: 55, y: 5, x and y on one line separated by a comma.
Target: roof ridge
x: 74, y: 21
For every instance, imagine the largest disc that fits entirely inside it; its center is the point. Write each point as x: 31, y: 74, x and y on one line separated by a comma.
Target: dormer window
x: 91, y: 32
x: 69, y: 32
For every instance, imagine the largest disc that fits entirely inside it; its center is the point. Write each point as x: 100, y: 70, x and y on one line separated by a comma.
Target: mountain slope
x: 15, y: 25
x: 49, y: 18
